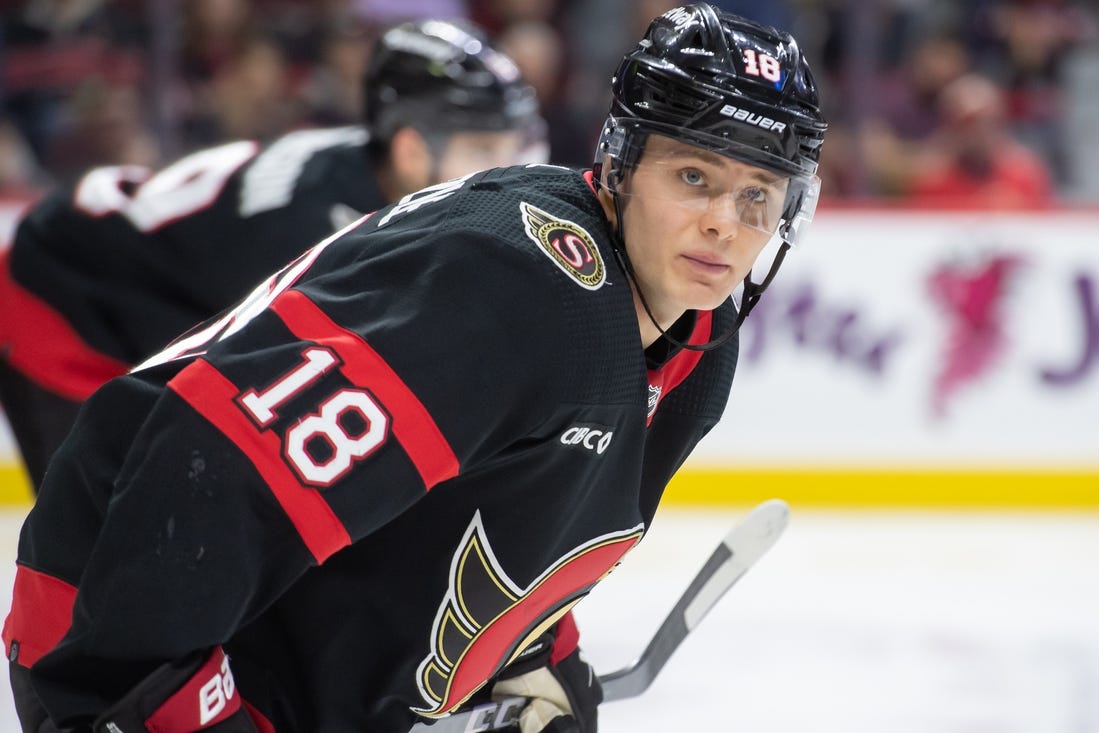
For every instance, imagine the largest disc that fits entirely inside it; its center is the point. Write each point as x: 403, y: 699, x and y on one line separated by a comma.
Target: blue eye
x: 692, y: 177
x: 754, y: 194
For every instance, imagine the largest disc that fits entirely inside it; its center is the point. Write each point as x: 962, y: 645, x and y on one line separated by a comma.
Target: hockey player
x: 372, y: 491
x: 102, y: 275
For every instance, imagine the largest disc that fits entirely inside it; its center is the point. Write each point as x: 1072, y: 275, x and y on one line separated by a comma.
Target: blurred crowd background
x: 989, y: 103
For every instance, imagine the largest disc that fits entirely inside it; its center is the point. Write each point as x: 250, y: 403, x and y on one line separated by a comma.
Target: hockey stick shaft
x: 737, y: 553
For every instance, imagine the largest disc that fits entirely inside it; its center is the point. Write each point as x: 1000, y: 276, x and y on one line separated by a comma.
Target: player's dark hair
x: 691, y: 78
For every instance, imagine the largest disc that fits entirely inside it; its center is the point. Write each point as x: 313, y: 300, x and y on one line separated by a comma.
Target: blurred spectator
x: 216, y: 37
x: 250, y: 94
x: 495, y: 16
x: 257, y: 68
x: 214, y: 33
x: 332, y: 92
x: 52, y: 47
x: 767, y: 12
x: 1026, y: 44
x: 104, y: 125
x: 906, y: 111
x: 19, y: 172
x: 387, y: 12
x: 973, y: 160
x: 907, y: 99
x: 538, y: 51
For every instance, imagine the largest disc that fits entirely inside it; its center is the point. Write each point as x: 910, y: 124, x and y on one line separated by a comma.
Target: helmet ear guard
x: 617, y: 154
x: 801, y: 207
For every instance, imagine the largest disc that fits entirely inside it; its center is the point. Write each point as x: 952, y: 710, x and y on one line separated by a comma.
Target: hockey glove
x: 196, y: 693
x: 564, y: 691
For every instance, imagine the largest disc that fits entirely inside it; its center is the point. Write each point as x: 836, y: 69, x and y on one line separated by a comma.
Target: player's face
x: 695, y: 221
x: 466, y: 152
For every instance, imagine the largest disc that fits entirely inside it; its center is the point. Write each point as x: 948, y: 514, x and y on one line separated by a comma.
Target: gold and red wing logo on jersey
x: 568, y: 244
x: 486, y: 620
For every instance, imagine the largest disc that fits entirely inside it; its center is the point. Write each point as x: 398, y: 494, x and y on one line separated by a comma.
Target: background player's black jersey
x: 128, y: 259
x: 376, y: 476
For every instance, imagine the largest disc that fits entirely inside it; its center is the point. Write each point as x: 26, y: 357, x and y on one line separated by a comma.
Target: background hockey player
x: 356, y: 500
x: 102, y: 275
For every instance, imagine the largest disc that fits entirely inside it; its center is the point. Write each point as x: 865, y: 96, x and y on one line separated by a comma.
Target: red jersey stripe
x: 412, y: 424
x: 680, y: 366
x: 44, y: 346
x: 41, y: 614
x: 568, y: 638
x: 212, y: 395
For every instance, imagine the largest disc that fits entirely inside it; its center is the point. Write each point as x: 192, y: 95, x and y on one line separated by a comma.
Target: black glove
x: 564, y: 693
x: 196, y: 693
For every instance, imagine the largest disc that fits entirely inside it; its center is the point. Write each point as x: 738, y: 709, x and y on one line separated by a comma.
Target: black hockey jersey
x: 377, y: 476
x: 104, y: 274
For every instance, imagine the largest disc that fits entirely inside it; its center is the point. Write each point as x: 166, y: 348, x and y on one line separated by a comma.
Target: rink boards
x: 906, y: 358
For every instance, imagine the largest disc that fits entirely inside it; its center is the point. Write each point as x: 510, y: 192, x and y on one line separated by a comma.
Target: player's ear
x: 410, y: 159
x: 606, y: 200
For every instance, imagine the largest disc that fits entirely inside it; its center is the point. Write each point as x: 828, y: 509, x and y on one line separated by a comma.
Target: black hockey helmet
x: 442, y: 77
x: 724, y: 83
x: 714, y: 80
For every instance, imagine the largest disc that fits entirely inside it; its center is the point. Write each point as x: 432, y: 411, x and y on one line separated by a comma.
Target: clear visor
x: 689, y: 178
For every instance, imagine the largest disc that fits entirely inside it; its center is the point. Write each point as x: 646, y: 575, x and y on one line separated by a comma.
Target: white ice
x: 862, y: 622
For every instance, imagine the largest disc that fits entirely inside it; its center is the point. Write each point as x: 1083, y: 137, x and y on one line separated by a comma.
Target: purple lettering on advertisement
x: 1082, y: 366
x: 812, y: 323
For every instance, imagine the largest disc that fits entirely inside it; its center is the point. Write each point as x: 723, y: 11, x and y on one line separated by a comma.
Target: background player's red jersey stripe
x: 209, y: 392
x: 45, y: 348
x: 412, y: 424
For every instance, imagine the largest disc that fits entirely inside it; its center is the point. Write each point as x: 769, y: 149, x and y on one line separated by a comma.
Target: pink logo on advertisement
x: 972, y: 298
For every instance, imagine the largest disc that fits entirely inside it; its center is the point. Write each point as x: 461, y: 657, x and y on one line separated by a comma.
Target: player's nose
x: 721, y: 218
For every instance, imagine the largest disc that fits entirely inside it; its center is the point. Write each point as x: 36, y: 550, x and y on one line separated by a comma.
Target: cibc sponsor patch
x: 590, y: 437
x: 568, y: 244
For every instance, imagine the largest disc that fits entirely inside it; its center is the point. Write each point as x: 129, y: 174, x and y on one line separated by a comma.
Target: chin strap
x: 752, y: 291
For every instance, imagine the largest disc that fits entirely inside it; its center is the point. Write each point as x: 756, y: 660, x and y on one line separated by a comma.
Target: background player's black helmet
x: 443, y: 77
x: 721, y: 82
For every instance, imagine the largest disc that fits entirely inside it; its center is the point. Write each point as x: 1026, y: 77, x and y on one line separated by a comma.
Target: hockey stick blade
x: 737, y: 553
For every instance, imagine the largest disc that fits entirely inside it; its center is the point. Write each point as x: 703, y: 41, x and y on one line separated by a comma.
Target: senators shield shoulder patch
x: 566, y: 243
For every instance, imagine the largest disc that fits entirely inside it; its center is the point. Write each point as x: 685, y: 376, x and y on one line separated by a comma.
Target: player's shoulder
x: 536, y: 223
x: 547, y: 216
x: 329, y: 163
x: 566, y: 193
x: 299, y: 145
x: 528, y: 246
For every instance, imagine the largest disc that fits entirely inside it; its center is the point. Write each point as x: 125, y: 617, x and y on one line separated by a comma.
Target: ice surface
x: 862, y: 622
